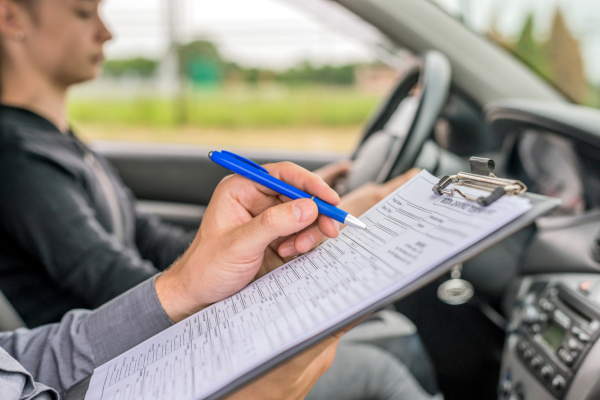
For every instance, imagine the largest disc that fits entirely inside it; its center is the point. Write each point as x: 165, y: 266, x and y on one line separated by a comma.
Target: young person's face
x: 64, y: 39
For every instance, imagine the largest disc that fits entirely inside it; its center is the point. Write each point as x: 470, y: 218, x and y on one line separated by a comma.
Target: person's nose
x: 104, y: 34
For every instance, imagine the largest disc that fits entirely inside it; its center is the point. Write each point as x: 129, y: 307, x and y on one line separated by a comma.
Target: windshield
x: 558, y: 39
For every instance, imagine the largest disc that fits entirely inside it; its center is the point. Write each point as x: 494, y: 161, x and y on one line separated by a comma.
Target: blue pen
x: 258, y: 174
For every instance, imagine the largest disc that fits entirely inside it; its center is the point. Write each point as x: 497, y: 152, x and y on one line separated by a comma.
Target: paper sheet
x: 412, y: 231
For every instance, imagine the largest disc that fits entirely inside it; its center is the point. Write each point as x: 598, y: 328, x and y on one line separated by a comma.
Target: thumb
x: 281, y: 220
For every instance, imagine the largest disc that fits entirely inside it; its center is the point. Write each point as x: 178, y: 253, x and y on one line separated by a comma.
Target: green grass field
x: 227, y: 109
x: 308, y: 119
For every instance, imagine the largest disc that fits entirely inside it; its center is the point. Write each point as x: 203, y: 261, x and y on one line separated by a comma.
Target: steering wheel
x: 396, y: 135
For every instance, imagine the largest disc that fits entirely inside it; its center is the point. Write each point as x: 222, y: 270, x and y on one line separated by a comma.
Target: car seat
x: 393, y: 332
x: 9, y: 319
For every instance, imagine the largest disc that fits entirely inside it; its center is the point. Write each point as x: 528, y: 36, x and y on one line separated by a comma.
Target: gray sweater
x: 44, y: 362
x: 59, y: 246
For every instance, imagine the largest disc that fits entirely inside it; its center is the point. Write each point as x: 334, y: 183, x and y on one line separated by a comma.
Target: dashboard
x: 548, y: 164
x: 552, y: 147
x: 552, y: 350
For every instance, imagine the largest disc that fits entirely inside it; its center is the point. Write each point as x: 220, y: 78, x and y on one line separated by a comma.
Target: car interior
x: 530, y: 330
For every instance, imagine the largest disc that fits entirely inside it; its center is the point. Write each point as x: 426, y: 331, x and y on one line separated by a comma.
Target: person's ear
x: 12, y: 21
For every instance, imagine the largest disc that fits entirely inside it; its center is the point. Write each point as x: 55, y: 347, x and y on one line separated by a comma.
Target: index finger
x: 302, y: 179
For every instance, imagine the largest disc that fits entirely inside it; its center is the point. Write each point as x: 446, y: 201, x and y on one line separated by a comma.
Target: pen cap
x: 256, y: 173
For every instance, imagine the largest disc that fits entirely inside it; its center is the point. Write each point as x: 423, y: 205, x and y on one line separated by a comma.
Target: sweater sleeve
x: 48, y: 213
x: 59, y: 355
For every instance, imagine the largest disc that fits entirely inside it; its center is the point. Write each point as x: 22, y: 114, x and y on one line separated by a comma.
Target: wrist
x: 174, y: 296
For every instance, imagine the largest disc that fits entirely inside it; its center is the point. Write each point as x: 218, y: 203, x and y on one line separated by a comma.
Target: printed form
x: 411, y: 231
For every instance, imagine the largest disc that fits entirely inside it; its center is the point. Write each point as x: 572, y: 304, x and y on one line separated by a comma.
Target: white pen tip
x: 367, y: 229
x: 355, y: 222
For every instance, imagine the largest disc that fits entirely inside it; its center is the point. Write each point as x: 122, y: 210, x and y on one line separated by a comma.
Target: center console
x: 552, y: 338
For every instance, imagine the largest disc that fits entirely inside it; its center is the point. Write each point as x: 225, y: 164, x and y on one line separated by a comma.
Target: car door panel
x: 176, y: 182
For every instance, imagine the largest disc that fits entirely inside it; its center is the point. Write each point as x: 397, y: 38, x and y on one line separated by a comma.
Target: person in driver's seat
x: 70, y: 234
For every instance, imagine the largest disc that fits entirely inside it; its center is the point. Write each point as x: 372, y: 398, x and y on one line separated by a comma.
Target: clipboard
x: 481, y: 177
x: 540, y: 205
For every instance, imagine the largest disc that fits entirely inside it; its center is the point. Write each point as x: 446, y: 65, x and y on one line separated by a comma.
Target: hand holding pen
x: 247, y: 231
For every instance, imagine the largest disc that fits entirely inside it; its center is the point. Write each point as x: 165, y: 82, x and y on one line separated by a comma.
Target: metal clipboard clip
x: 481, y: 177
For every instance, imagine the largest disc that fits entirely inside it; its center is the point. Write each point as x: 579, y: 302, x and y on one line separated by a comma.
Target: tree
x: 201, y: 62
x: 326, y: 75
x: 530, y: 51
x: 142, y: 67
x: 566, y: 61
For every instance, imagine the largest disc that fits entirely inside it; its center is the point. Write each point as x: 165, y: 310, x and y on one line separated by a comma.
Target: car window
x: 558, y: 39
x: 237, y: 73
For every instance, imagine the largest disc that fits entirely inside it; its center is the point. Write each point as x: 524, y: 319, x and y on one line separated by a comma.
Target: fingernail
x: 287, y: 249
x: 303, y: 210
x: 307, y: 242
x: 336, y: 225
